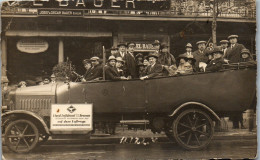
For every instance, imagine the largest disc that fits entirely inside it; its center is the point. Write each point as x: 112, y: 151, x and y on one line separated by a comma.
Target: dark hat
x: 191, y: 58
x: 164, y: 45
x: 131, y: 44
x: 85, y: 61
x: 224, y: 41
x: 232, y: 36
x: 95, y: 58
x: 139, y: 55
x: 188, y: 45
x: 217, y: 50
x: 111, y: 58
x: 182, y: 56
x: 121, y: 44
x: 200, y: 42
x: 153, y: 54
x: 113, y: 48
x: 245, y: 51
x: 156, y: 42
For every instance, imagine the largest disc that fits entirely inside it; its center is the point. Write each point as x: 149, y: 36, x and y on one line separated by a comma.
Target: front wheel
x: 193, y: 129
x: 21, y: 136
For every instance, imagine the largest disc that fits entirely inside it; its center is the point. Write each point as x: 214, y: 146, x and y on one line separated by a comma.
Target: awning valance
x: 57, y: 34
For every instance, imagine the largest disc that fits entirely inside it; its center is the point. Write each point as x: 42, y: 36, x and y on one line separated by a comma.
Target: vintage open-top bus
x: 183, y: 106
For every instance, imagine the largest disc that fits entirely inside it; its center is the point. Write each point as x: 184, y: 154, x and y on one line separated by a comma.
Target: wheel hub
x: 193, y: 129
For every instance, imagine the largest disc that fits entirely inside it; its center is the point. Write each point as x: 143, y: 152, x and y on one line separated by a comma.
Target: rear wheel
x: 21, y: 136
x: 193, y: 129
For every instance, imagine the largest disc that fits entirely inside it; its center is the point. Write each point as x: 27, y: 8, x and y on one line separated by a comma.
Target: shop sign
x: 71, y: 117
x: 144, y: 46
x: 32, y: 45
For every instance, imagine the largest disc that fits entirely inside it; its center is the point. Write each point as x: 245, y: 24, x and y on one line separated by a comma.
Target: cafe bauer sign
x: 96, y: 4
x: 32, y: 45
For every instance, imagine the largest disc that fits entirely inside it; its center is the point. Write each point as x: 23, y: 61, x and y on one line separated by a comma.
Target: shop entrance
x: 78, y: 49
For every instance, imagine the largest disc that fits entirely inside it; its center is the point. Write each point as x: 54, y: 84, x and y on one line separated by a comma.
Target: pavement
x: 231, y: 134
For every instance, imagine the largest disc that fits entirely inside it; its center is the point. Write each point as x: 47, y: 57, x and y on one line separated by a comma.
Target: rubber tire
x: 33, y: 126
x: 175, y: 129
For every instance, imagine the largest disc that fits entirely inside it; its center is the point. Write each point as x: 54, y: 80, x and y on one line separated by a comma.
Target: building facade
x: 39, y: 34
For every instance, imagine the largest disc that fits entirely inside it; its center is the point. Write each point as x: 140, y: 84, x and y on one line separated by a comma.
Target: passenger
x: 156, y: 46
x: 200, y: 54
x: 191, y: 60
x: 141, y: 70
x: 121, y: 50
x: 114, y: 51
x: 110, y: 70
x: 217, y: 62
x: 154, y: 69
x: 224, y: 46
x: 233, y: 52
x: 188, y: 50
x: 184, y: 67
x: 130, y: 61
x: 87, y: 65
x: 96, y: 71
x: 246, y: 58
x: 139, y: 58
x: 53, y: 78
x: 146, y: 62
x: 165, y: 58
x: 120, y: 66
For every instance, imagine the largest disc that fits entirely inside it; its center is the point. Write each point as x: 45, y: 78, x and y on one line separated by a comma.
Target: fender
x: 31, y: 114
x: 195, y: 103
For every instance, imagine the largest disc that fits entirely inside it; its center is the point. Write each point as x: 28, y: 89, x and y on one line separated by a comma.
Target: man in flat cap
x: 200, y: 54
x: 96, y: 71
x: 154, y: 69
x: 121, y: 50
x: 233, y: 52
x: 188, y: 52
x: 130, y: 60
x: 156, y: 45
x: 111, y: 72
x: 165, y: 58
x: 224, y: 46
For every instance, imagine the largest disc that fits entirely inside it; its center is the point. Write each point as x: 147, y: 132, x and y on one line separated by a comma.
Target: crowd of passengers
x: 124, y: 65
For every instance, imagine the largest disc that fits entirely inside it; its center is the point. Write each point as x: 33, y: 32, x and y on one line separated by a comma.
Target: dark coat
x: 111, y: 73
x: 130, y: 65
x: 155, y: 71
x: 94, y: 72
x: 200, y: 57
x: 166, y: 59
x: 215, y: 65
x: 234, y: 54
x: 119, y: 55
x: 248, y: 61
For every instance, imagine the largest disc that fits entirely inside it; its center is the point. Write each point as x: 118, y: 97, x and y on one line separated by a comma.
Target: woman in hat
x: 246, y: 58
x: 111, y: 72
x: 139, y: 58
x: 154, y: 69
x: 165, y: 58
x: 217, y: 62
x: 184, y: 67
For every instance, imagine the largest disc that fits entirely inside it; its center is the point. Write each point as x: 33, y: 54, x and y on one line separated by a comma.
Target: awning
x: 57, y: 34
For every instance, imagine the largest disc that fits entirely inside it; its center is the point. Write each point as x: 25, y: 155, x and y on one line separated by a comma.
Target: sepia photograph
x: 128, y: 79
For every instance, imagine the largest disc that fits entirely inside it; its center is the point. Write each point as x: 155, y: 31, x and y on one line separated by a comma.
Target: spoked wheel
x: 193, y: 129
x: 21, y: 136
x: 43, y: 138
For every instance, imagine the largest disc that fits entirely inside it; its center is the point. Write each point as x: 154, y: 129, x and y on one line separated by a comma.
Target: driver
x: 95, y: 72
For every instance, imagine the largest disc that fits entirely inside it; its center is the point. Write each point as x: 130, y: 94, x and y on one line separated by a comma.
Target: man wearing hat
x: 154, y: 69
x: 113, y: 51
x: 224, y: 46
x: 217, y: 62
x: 96, y: 71
x: 130, y: 63
x: 200, y: 54
x: 121, y: 50
x: 188, y: 48
x: 165, y: 58
x: 233, y: 52
x: 246, y: 58
x: 120, y: 66
x: 111, y: 72
x: 156, y: 45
